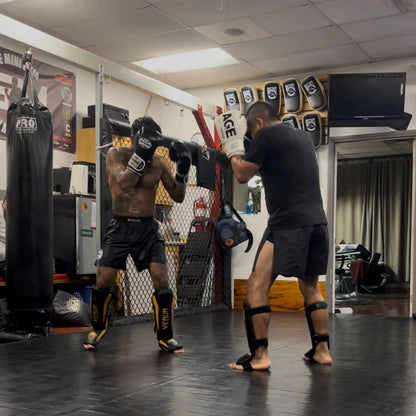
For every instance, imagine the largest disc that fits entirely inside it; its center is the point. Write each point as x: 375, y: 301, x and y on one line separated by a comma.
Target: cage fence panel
x: 193, y: 258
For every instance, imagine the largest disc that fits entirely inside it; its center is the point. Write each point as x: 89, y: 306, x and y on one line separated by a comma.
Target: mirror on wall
x: 373, y: 226
x: 247, y: 196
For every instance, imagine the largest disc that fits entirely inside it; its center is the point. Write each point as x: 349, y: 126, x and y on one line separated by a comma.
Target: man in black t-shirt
x: 295, y: 242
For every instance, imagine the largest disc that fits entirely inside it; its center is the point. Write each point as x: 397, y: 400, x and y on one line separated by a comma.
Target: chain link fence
x: 195, y: 262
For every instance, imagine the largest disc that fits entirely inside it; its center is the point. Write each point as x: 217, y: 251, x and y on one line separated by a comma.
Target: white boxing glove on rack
x: 231, y: 127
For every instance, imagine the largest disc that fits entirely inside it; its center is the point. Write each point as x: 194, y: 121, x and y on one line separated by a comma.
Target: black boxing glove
x: 146, y: 142
x: 180, y: 154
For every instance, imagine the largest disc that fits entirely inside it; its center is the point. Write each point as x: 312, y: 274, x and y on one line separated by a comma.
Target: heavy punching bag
x: 29, y: 250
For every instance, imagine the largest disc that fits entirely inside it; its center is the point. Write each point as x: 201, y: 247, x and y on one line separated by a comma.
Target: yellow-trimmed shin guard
x: 99, y: 310
x: 163, y: 308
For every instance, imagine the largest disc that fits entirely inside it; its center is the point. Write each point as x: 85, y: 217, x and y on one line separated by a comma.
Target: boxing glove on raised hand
x: 231, y: 127
x: 146, y: 142
x: 180, y: 154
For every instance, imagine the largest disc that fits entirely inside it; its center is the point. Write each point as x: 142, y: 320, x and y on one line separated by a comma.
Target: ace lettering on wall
x: 55, y: 88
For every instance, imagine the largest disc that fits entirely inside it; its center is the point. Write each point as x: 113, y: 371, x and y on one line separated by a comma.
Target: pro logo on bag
x: 26, y: 124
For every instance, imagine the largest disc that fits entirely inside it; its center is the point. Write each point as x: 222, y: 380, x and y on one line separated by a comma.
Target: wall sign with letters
x: 56, y: 90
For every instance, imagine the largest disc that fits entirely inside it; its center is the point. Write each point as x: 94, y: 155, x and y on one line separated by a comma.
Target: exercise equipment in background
x: 314, y: 92
x: 292, y: 120
x: 29, y: 244
x: 293, y: 95
x: 249, y: 96
x: 272, y: 94
x: 232, y: 99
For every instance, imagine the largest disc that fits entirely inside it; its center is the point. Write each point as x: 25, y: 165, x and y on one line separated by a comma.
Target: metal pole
x: 99, y: 77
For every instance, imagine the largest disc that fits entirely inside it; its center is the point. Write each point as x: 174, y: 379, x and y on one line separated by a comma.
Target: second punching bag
x: 29, y: 250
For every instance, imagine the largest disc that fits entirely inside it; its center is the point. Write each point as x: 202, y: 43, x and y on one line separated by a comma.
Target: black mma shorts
x: 136, y: 236
x: 298, y: 252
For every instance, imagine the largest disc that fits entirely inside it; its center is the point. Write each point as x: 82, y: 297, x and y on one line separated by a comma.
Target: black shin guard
x: 163, y: 305
x: 253, y: 342
x: 315, y: 337
x: 100, y: 306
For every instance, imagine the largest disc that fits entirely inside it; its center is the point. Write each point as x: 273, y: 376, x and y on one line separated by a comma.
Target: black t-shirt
x: 290, y: 175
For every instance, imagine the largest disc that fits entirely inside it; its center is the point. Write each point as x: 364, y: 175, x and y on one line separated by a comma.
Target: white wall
x: 242, y: 262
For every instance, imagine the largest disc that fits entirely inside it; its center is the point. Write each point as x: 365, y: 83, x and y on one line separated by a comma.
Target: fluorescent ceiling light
x: 205, y: 58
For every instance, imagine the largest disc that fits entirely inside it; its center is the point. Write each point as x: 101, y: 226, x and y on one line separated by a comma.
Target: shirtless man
x: 134, y: 174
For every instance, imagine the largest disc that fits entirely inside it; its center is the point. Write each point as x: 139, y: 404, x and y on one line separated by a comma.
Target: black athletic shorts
x: 298, y: 252
x: 136, y: 236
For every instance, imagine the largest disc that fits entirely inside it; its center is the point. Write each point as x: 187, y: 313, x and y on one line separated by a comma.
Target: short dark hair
x: 144, y: 122
x: 263, y: 110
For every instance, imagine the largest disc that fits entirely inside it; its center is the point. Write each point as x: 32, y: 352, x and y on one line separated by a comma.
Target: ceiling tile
x: 341, y: 11
x: 292, y: 20
x: 385, y: 27
x: 49, y: 13
x: 82, y: 35
x: 161, y: 45
x: 145, y: 22
x: 405, y: 5
x: 324, y: 58
x: 231, y: 74
x: 288, y: 44
x: 203, y: 12
x: 156, y: 2
x: 292, y: 36
x: 251, y: 30
x: 391, y: 47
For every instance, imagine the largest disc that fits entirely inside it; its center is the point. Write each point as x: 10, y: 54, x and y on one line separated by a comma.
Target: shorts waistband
x: 133, y: 219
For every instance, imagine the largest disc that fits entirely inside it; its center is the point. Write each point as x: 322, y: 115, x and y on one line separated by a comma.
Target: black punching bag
x: 29, y: 250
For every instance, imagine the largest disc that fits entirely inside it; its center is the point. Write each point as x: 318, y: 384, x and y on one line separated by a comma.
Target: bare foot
x: 263, y: 364
x: 320, y: 358
x: 89, y: 347
x: 170, y: 345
